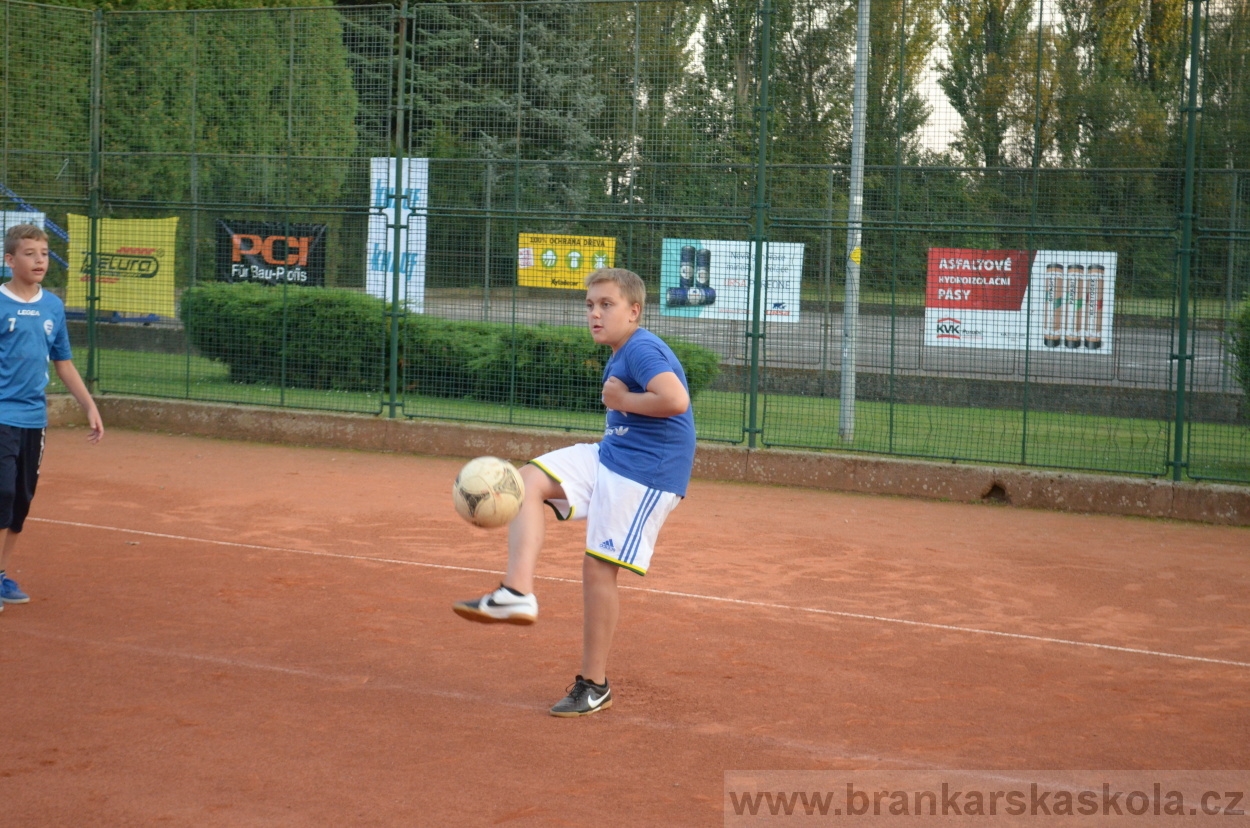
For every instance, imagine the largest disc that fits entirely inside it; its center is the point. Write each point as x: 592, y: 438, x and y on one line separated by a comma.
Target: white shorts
x: 623, y: 517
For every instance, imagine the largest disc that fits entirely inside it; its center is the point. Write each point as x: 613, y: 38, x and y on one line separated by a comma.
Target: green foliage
x: 542, y: 366
x: 1239, y: 349
x: 296, y: 337
x: 338, y: 340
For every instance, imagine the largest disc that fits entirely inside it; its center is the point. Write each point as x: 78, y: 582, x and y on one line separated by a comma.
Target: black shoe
x: 584, y: 698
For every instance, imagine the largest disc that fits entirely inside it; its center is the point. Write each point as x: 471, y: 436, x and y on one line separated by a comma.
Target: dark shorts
x: 21, y: 453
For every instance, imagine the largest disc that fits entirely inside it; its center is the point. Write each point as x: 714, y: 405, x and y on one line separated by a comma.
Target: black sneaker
x: 584, y: 698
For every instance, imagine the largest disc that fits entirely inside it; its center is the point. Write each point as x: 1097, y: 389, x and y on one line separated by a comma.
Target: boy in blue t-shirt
x: 623, y: 487
x: 32, y: 331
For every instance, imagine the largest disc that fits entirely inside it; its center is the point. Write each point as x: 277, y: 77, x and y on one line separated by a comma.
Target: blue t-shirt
x: 31, y: 333
x: 657, y: 452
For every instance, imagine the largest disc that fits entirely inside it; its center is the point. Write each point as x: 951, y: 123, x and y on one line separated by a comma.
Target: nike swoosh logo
x: 592, y: 702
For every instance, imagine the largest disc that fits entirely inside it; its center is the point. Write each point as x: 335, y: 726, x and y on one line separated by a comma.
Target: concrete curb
x: 1062, y: 491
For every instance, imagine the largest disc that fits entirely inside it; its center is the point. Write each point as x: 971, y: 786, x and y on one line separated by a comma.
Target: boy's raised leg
x: 514, y: 602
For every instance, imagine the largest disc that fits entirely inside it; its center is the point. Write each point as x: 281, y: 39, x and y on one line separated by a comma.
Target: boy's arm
x: 665, y: 397
x: 78, y: 389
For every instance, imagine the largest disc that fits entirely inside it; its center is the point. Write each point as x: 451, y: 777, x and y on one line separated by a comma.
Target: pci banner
x: 712, y: 279
x: 135, y: 270
x: 9, y: 218
x: 381, y: 253
x: 554, y: 261
x: 273, y: 252
x: 1017, y: 299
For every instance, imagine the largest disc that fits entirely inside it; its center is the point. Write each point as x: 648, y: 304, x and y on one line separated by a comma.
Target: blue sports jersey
x: 31, y: 333
x: 657, y: 452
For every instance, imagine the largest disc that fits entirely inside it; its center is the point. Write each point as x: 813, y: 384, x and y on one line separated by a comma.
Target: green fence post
x: 93, y: 209
x: 1182, y: 354
x: 400, y: 224
x: 759, y: 232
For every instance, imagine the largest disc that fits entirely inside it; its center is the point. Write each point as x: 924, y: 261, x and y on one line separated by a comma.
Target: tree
x: 987, y: 51
x: 1118, y: 69
x: 893, y: 122
x: 812, y: 69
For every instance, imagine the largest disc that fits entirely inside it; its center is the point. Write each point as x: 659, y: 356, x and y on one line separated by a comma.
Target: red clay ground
x: 239, y: 634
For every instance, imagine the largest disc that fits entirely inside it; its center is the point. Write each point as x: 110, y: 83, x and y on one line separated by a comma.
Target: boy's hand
x: 96, y: 425
x: 615, y: 393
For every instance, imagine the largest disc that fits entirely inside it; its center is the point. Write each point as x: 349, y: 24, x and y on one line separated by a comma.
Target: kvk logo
x: 948, y: 328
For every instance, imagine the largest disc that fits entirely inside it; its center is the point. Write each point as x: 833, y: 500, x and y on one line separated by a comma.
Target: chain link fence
x: 390, y: 210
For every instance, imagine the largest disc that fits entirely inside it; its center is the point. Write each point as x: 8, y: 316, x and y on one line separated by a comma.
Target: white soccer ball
x: 488, y: 492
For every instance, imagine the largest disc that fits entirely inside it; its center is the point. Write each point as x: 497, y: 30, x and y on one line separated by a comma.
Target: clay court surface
x: 225, y: 633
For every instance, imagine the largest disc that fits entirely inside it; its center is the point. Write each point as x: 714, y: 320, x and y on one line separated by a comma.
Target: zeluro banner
x: 271, y: 251
x: 135, y: 270
x: 1017, y: 299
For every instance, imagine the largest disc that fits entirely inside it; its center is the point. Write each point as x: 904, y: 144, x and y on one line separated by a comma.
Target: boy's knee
x: 538, y: 484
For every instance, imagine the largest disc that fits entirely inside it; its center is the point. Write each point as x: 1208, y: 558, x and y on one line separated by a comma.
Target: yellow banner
x: 551, y: 261
x: 135, y: 275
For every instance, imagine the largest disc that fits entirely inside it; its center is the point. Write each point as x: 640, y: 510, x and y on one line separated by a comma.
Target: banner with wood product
x: 135, y: 270
x: 1017, y: 299
x: 557, y: 261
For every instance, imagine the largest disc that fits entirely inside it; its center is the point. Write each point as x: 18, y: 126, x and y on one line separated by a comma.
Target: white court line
x: 671, y: 593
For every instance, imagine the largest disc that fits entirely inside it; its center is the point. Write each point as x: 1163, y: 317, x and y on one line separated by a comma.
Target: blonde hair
x: 629, y: 282
x: 19, y: 233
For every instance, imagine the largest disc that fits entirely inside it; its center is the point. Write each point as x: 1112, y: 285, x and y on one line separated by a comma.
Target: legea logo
x: 948, y: 328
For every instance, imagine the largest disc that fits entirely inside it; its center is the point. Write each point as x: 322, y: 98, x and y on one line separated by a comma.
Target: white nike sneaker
x: 585, y: 697
x: 500, y: 605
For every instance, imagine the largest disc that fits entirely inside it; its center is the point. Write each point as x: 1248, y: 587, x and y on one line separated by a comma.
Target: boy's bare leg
x: 601, y: 607
x: 529, y: 528
x: 7, y: 545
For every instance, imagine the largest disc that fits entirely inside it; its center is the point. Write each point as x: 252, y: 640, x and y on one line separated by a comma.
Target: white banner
x: 380, y: 254
x: 712, y: 279
x: 1057, y: 300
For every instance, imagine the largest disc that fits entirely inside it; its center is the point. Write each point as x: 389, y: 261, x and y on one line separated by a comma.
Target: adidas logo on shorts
x: 608, y: 546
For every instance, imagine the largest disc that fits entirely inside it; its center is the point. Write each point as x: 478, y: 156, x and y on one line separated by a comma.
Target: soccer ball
x: 488, y: 492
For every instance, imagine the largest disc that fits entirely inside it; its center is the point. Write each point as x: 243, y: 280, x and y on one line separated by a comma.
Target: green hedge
x: 1239, y: 347
x: 335, y: 339
x: 338, y: 340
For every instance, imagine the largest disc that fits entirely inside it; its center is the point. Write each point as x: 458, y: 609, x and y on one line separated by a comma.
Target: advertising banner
x: 135, y: 272
x: 1017, y: 299
x: 554, y: 261
x: 9, y: 218
x: 712, y: 279
x: 380, y: 253
x: 271, y: 251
